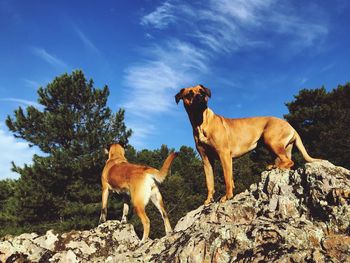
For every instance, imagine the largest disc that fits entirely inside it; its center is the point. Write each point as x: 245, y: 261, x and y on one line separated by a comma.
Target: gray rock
x: 290, y: 216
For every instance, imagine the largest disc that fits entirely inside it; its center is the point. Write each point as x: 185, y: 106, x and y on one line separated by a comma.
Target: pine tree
x: 62, y: 187
x: 323, y: 121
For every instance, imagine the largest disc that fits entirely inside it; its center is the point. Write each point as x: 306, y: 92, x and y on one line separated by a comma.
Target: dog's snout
x: 199, y: 98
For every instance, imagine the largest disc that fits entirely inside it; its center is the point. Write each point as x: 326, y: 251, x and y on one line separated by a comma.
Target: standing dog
x: 221, y: 138
x: 136, y: 180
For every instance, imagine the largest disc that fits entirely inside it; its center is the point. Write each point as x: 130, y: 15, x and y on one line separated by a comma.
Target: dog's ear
x: 106, y: 151
x: 206, y: 90
x: 179, y: 96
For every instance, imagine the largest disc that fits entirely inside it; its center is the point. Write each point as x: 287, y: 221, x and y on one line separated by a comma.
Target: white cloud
x: 226, y: 25
x: 141, y: 130
x: 243, y: 11
x: 207, y: 30
x: 171, y: 66
x: 149, y: 84
x: 161, y: 17
x: 87, y: 42
x: 12, y: 150
x: 31, y: 83
x: 24, y: 102
x: 303, y: 80
x: 51, y: 59
x: 152, y: 84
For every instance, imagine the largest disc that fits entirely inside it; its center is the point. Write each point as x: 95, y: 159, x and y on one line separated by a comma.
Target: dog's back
x: 123, y: 175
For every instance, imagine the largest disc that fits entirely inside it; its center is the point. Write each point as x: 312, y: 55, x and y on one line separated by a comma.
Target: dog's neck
x: 117, y: 159
x: 198, y: 116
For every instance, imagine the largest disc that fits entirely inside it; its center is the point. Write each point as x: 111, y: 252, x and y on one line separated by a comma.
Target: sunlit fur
x: 222, y: 138
x: 136, y: 180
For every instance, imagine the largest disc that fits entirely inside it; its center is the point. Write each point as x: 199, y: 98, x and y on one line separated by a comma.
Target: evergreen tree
x: 62, y: 187
x: 323, y: 121
x: 8, y: 207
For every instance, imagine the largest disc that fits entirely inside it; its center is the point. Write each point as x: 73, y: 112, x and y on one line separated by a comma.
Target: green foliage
x: 62, y: 188
x: 8, y: 204
x: 323, y: 121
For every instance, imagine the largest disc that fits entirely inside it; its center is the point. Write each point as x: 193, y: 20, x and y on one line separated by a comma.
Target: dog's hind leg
x: 125, y: 213
x: 126, y: 203
x: 140, y: 211
x: 157, y: 200
x: 283, y: 154
x: 140, y: 196
x: 278, y: 160
x: 104, y: 204
x: 289, y: 149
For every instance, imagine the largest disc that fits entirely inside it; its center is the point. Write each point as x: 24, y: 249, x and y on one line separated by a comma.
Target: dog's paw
x: 208, y: 201
x: 168, y: 232
x: 101, y: 221
x: 270, y: 167
x: 223, y: 199
x: 144, y: 240
x: 124, y: 221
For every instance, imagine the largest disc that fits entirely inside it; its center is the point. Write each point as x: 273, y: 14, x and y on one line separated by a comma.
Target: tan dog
x: 221, y: 138
x: 136, y: 180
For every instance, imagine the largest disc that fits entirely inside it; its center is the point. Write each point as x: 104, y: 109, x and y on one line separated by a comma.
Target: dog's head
x: 196, y: 96
x: 116, y: 151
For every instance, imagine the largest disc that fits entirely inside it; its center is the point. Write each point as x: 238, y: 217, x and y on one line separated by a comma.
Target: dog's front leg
x: 103, y: 216
x: 209, y: 175
x: 226, y: 162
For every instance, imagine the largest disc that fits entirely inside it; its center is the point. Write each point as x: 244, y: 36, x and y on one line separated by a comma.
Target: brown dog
x: 136, y: 180
x: 221, y: 138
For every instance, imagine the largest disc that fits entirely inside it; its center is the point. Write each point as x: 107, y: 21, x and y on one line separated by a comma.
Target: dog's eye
x: 189, y: 95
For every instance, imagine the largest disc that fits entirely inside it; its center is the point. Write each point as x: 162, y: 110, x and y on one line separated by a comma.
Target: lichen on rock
x: 298, y: 215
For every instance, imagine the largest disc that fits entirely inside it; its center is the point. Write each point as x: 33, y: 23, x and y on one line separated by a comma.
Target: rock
x: 76, y: 246
x: 337, y: 246
x: 47, y: 241
x: 298, y: 215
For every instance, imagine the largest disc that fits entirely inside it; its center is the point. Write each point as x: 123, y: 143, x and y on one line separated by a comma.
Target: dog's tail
x: 162, y: 173
x: 299, y: 144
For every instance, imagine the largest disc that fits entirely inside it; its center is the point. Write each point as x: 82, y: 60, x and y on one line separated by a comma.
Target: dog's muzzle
x: 199, y: 99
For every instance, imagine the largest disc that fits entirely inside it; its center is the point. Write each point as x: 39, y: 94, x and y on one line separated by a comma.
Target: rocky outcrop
x: 298, y: 215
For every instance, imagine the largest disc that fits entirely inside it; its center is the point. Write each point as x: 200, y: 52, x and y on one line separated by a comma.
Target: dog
x: 138, y: 181
x: 222, y: 138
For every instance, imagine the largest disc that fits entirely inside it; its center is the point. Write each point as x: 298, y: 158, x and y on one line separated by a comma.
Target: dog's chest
x: 202, y: 135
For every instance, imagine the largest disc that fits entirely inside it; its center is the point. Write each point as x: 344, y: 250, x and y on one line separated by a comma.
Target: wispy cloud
x: 49, y: 58
x: 328, y: 67
x: 149, y: 83
x: 226, y: 26
x: 161, y: 17
x: 209, y: 30
x: 32, y: 84
x: 141, y: 131
x: 303, y: 80
x: 86, y: 41
x: 24, y: 102
x: 12, y: 150
x: 171, y: 66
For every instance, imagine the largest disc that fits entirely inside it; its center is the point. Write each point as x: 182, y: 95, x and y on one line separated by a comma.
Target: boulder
x: 298, y: 215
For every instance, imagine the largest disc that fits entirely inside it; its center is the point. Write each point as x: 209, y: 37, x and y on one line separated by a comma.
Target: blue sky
x: 254, y: 55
